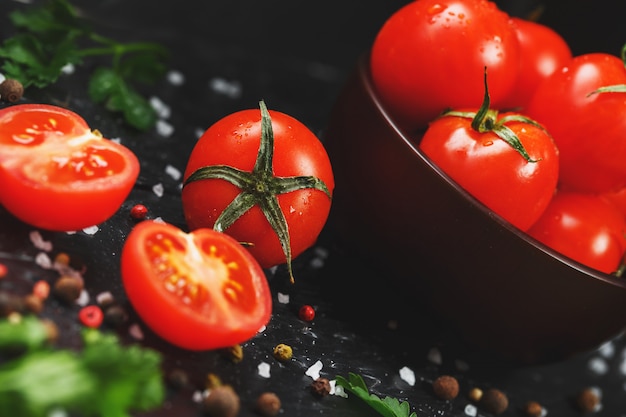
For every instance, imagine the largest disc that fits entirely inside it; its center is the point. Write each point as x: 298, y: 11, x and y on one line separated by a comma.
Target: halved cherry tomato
x: 584, y: 227
x: 200, y: 290
x: 58, y: 174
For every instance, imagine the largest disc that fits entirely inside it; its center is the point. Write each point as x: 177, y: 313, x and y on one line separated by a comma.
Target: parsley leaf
x: 386, y: 407
x: 53, y: 35
x: 103, y: 379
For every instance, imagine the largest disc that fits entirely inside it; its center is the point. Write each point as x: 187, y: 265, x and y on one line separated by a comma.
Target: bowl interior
x: 497, y: 287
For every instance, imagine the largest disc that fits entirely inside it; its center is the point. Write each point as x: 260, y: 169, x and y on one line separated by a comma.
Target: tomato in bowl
x: 499, y: 289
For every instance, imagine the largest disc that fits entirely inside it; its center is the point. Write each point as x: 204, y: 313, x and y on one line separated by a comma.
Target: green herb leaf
x: 105, y: 378
x: 53, y: 35
x: 387, y: 406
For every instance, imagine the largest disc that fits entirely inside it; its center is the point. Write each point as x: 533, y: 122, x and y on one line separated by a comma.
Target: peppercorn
x: 138, y: 212
x: 494, y: 401
x: 177, y: 379
x: 320, y: 387
x: 68, y: 288
x: 533, y: 409
x: 306, y: 313
x: 234, y: 353
x: 446, y: 387
x: 115, y: 315
x: 11, y: 90
x: 475, y: 394
x: 268, y: 404
x: 283, y: 352
x: 91, y: 316
x: 588, y: 400
x: 221, y: 401
x: 33, y: 304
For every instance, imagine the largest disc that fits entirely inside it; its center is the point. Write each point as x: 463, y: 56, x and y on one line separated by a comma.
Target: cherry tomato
x: 617, y: 198
x: 542, y: 51
x: 515, y: 186
x: 198, y: 291
x: 57, y: 174
x: 248, y: 171
x: 584, y: 227
x: 430, y: 56
x: 588, y: 126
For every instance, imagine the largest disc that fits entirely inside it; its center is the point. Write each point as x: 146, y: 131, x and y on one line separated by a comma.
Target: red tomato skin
x: 214, y: 322
x: 430, y: 55
x: 589, y: 129
x: 57, y: 199
x: 584, y: 227
x: 234, y: 140
x: 542, y: 52
x: 492, y: 171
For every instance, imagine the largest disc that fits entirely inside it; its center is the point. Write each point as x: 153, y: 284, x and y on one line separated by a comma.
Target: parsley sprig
x: 104, y: 379
x: 53, y: 35
x: 386, y: 407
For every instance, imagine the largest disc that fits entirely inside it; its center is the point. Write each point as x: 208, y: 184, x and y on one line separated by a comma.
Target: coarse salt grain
x: 175, y: 77
x: 314, y: 370
x: 43, y: 260
x: 92, y: 230
x: 83, y: 298
x: 598, y: 366
x: 337, y: 389
x: 173, y: 172
x: 231, y: 89
x: 407, y: 375
x: 607, y: 350
x: 264, y: 369
x: 104, y: 297
x: 134, y: 330
x: 158, y: 189
x: 163, y: 110
x: 434, y: 356
x: 38, y: 241
x: 471, y: 410
x: 283, y: 298
x: 164, y: 128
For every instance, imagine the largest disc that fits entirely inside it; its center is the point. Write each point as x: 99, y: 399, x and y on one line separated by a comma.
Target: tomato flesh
x: 198, y: 291
x: 50, y: 158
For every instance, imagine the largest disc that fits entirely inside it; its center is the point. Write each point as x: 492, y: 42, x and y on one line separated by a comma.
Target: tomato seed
x: 91, y: 316
x: 139, y: 212
x: 306, y: 313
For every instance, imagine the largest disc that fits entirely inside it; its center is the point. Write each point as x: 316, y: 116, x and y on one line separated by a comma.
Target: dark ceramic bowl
x: 496, y: 287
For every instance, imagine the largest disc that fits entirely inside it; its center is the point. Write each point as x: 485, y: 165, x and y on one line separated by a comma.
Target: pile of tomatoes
x: 502, y: 106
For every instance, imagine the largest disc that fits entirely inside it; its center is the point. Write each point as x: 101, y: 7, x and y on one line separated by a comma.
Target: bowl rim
x: 366, y: 79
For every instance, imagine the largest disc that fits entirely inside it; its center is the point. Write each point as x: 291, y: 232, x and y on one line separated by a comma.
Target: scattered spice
x: 138, y: 212
x: 115, y: 315
x: 283, y: 352
x: 91, y: 316
x: 446, y: 387
x: 306, y: 313
x: 41, y: 290
x: 588, y: 400
x: 11, y: 90
x: 33, y: 304
x: 68, y: 288
x: 62, y: 258
x: 233, y: 353
x: 177, y: 379
x: 3, y: 270
x: 320, y: 387
x: 494, y: 401
x: 221, y: 401
x: 533, y: 409
x: 212, y: 381
x: 475, y: 394
x: 268, y: 404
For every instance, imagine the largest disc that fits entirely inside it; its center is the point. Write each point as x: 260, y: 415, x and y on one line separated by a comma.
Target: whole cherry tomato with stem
x: 199, y: 291
x: 429, y: 56
x: 584, y: 227
x: 264, y: 178
x: 58, y: 174
x: 583, y: 106
x: 505, y: 160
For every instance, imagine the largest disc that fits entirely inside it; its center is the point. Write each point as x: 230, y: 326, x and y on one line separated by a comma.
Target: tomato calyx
x: 259, y: 187
x: 619, y: 88
x: 486, y: 120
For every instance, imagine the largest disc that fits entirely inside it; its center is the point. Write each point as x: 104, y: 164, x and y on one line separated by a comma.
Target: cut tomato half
x: 199, y: 291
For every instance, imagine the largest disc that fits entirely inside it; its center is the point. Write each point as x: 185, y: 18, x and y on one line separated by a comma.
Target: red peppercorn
x: 91, y: 316
x: 139, y: 212
x: 306, y: 313
x: 3, y: 270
